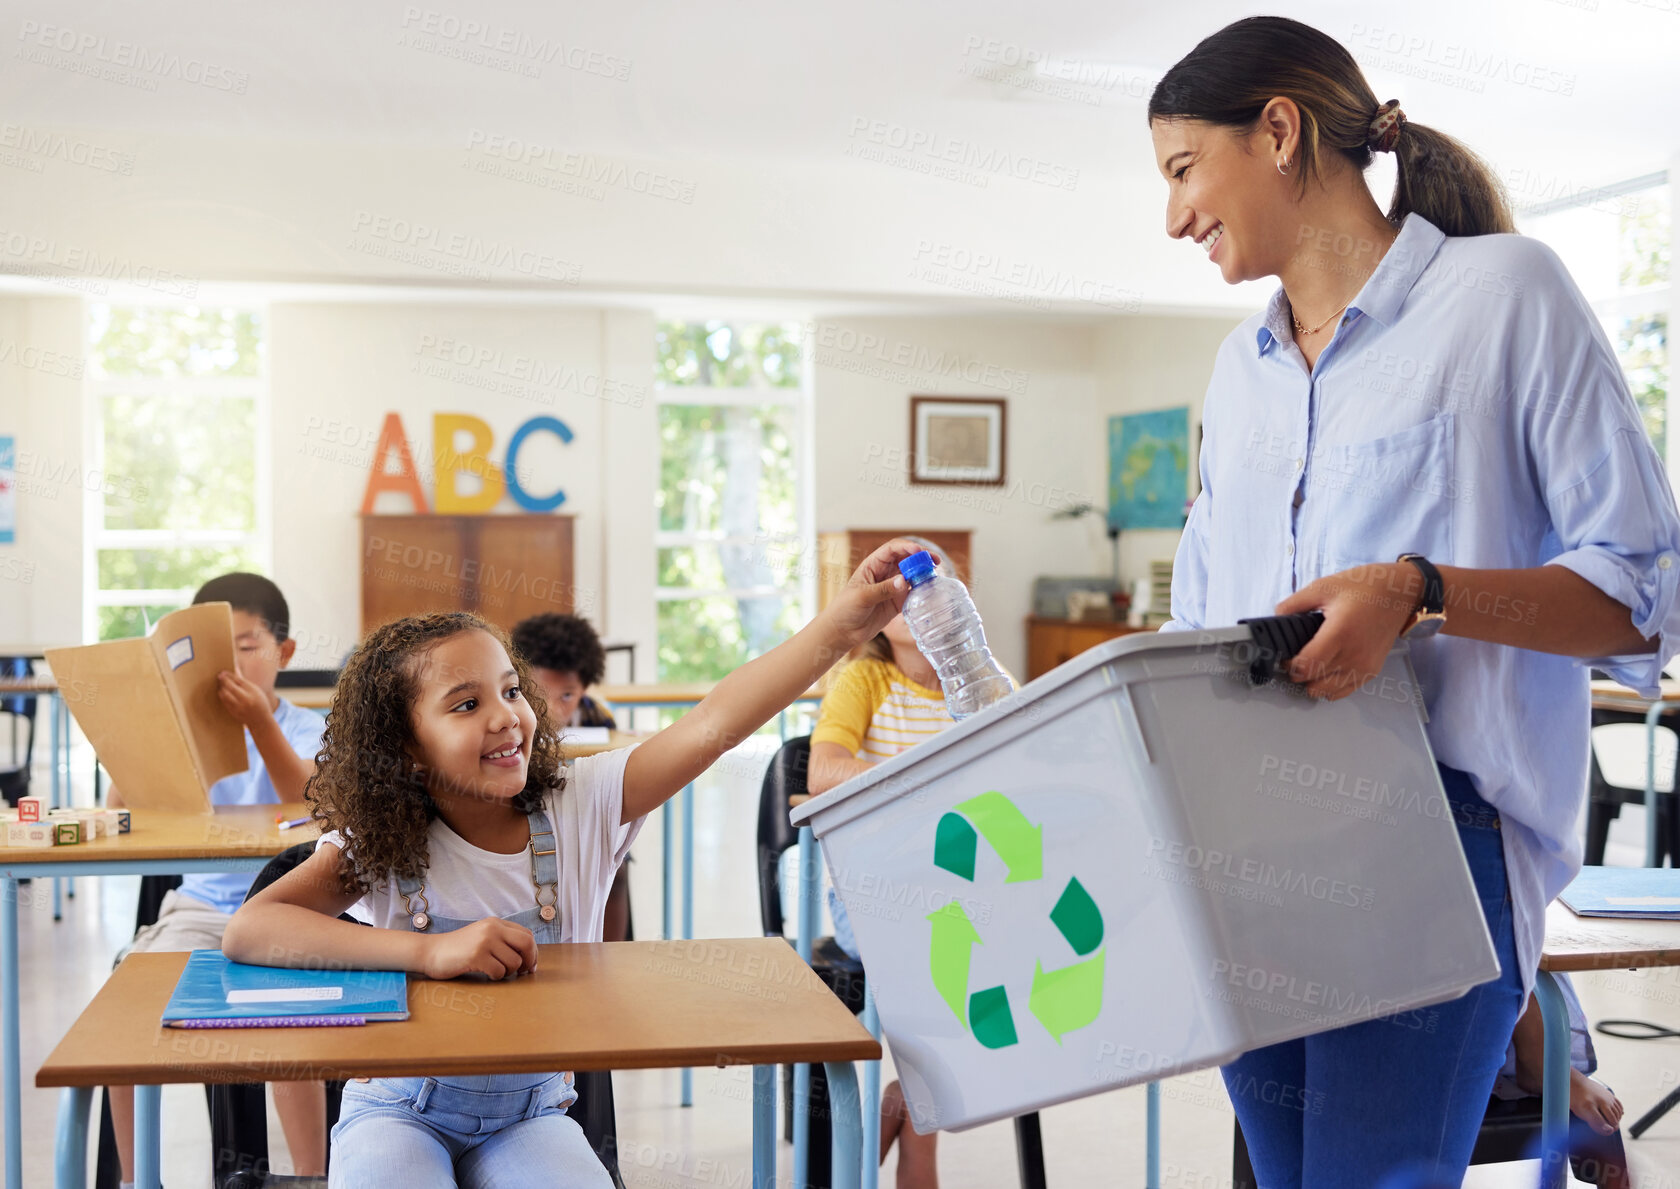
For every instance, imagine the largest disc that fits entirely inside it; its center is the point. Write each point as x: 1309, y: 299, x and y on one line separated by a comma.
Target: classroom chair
x: 306, y: 679
x: 14, y: 780
x: 842, y: 974
x: 1623, y: 730
x: 1510, y: 1131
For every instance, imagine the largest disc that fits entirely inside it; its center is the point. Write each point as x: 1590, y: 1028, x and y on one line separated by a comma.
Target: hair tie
x: 1385, y: 127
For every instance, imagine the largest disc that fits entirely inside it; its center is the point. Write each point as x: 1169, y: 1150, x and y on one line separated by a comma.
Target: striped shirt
x: 874, y: 711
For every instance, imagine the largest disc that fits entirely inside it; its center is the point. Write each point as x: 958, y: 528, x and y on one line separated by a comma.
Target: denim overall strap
x: 545, y: 866
x: 545, y: 877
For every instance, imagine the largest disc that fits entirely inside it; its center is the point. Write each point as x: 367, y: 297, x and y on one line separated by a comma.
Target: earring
x: 1283, y: 165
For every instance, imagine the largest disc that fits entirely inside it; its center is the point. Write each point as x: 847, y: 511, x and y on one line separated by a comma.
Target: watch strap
x: 1434, y: 588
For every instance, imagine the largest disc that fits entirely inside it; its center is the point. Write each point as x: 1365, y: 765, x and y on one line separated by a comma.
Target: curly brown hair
x: 366, y: 782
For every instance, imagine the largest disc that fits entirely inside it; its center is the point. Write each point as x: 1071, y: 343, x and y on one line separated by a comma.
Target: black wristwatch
x: 1430, y: 615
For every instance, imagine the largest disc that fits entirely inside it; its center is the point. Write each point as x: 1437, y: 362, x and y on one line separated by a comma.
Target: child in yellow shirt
x: 886, y: 701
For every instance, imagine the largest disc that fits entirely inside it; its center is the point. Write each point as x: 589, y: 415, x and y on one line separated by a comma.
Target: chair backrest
x: 22, y: 705
x: 784, y: 778
x: 293, y: 856
x: 306, y: 679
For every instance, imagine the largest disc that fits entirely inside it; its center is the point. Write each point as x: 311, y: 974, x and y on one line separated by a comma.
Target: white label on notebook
x: 284, y: 994
x: 581, y: 735
x: 1644, y: 901
x: 180, y: 652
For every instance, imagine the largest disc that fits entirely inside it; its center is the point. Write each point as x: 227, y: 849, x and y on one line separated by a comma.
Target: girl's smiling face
x: 473, y: 727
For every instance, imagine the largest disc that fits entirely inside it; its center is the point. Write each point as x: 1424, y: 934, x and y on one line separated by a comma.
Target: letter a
x: 403, y: 480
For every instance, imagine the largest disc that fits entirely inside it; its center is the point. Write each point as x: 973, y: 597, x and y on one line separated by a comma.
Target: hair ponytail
x: 1444, y: 181
x: 1231, y: 75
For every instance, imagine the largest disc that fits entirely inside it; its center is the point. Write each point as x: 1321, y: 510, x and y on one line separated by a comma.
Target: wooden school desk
x: 234, y: 838
x: 1611, y: 695
x: 1584, y: 943
x: 618, y: 1005
x: 58, y: 720
x: 684, y: 695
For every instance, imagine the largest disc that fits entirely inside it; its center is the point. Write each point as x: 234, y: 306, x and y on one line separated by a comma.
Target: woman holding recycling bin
x: 1426, y: 436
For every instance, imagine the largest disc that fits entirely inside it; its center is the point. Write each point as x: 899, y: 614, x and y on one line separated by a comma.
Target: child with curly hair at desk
x: 453, y: 827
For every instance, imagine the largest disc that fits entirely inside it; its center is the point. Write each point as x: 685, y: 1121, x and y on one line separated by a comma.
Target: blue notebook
x: 1652, y: 893
x: 216, y: 993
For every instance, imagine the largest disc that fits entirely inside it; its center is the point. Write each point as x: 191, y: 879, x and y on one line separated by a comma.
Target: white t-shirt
x: 470, y: 884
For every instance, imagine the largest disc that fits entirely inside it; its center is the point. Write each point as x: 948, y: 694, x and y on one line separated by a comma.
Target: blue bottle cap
x: 918, y: 567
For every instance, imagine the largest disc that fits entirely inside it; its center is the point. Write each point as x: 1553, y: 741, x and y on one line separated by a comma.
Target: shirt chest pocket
x: 1378, y: 499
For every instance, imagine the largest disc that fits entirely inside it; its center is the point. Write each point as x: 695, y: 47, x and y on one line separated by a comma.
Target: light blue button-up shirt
x: 1469, y: 408
x: 254, y: 786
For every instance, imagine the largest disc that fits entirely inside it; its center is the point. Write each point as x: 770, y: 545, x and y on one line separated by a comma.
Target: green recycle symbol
x: 1062, y: 1000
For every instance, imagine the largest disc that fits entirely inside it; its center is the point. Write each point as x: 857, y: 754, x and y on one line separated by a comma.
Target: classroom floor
x: 1095, y: 1141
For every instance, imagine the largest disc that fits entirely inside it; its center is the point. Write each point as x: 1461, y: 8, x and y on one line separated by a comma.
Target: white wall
x: 1041, y: 367
x: 41, y: 365
x: 1063, y: 379
x: 1154, y: 363
x: 338, y: 369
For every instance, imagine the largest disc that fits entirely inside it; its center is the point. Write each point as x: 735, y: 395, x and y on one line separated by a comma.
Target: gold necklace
x: 1301, y: 330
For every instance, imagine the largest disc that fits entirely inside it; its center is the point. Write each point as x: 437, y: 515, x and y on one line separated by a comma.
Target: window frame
x: 96, y: 538
x: 803, y: 539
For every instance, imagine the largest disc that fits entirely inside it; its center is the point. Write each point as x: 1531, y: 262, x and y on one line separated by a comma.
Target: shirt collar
x: 1383, y: 293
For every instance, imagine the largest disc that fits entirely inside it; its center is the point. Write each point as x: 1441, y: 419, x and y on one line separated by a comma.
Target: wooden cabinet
x: 1052, y: 642
x: 839, y: 554
x: 502, y: 567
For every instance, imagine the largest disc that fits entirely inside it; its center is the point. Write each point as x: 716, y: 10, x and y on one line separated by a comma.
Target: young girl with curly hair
x: 451, y: 826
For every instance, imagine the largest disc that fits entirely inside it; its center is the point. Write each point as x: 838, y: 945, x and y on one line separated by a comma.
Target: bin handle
x: 1276, y: 639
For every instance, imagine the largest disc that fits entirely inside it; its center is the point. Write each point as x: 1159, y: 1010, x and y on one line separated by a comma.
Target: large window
x: 178, y: 414
x: 1618, y: 244
x: 734, y: 566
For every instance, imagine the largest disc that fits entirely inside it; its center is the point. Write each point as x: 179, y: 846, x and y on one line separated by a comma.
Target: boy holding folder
x: 280, y: 744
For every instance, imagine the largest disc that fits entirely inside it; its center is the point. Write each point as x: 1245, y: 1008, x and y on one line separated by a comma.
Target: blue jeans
x: 478, y: 1132
x: 1395, y: 1101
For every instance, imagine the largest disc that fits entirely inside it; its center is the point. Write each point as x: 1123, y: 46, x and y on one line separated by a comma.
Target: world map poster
x: 1148, y: 468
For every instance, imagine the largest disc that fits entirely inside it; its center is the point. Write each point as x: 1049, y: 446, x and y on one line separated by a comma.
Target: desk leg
x: 804, y: 935
x: 69, y: 788
x: 871, y: 1097
x: 665, y: 844
x: 1554, y: 1083
x: 148, y: 1136
x: 52, y: 715
x: 764, y: 1126
x: 844, y: 1121
x: 1152, y: 1137
x: 688, y: 905
x: 1651, y: 851
x: 71, y: 1160
x: 9, y: 988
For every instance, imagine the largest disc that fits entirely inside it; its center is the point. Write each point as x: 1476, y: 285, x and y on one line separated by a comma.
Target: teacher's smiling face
x: 1224, y: 191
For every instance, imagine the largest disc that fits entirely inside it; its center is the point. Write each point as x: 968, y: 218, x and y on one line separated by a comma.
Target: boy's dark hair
x: 564, y: 643
x: 252, y: 594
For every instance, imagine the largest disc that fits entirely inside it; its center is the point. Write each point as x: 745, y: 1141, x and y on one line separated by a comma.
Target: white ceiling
x: 761, y: 100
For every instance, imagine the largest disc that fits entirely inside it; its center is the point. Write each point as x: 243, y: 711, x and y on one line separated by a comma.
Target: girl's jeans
x: 436, y: 1133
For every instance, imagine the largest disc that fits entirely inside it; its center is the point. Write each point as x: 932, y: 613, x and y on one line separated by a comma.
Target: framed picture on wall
x: 958, y: 439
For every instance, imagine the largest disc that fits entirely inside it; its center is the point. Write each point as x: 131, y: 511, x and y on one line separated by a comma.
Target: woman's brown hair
x: 367, y: 783
x: 1230, y: 77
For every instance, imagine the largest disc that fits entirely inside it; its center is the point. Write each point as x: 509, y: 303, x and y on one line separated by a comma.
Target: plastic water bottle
x: 947, y: 630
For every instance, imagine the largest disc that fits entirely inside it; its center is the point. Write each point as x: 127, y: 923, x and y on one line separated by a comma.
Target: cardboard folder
x: 150, y: 709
